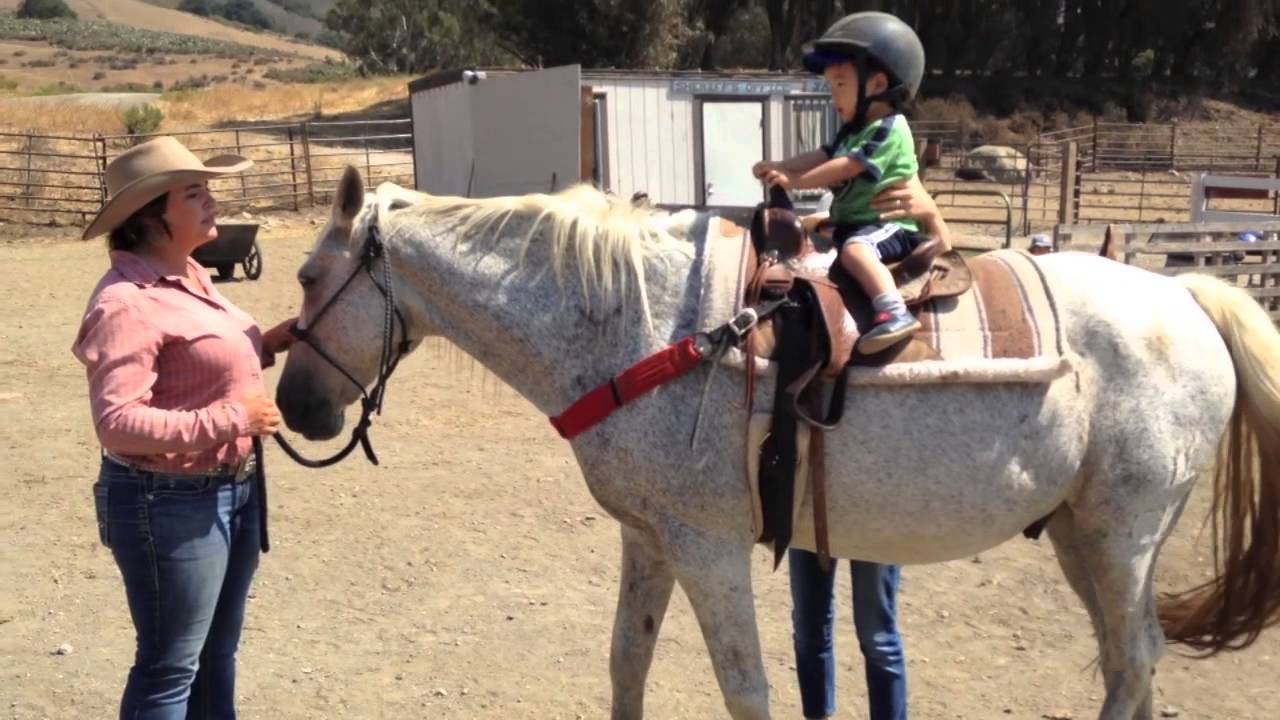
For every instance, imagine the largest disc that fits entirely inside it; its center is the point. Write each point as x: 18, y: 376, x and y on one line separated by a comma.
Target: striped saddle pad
x: 1005, y: 329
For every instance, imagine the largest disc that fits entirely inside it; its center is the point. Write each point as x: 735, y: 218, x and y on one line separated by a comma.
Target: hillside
x: 145, y: 16
x: 289, y: 16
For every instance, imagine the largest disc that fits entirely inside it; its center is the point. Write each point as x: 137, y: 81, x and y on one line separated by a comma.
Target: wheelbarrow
x: 236, y: 244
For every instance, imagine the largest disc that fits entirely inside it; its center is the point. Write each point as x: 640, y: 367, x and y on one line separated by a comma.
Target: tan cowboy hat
x: 145, y: 172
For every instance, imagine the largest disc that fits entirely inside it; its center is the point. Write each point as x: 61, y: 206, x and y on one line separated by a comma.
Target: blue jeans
x: 187, y: 548
x: 875, y: 591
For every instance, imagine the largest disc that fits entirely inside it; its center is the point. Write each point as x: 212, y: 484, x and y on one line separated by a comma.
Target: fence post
x: 27, y: 190
x: 1257, y: 164
x: 243, y: 192
x: 1026, y: 193
x: 413, y: 154
x: 293, y: 170
x: 1067, y: 193
x: 306, y: 154
x: 100, y: 149
x: 368, y: 169
x: 1277, y: 210
x: 1096, y: 151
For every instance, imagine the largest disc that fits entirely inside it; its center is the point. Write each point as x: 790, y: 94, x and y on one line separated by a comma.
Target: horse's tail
x: 1232, y: 609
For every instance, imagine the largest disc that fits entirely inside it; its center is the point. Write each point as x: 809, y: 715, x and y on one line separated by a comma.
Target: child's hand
x: 778, y: 178
x: 762, y: 167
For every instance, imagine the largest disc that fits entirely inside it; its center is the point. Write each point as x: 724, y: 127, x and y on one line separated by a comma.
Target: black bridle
x: 371, y: 401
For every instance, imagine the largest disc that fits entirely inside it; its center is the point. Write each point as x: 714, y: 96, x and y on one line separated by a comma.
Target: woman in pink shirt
x: 176, y: 393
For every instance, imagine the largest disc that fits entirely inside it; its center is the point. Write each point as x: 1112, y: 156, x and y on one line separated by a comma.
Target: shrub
x: 195, y: 82
x: 58, y: 88
x: 127, y: 87
x: 142, y: 119
x: 100, y: 75
x: 313, y: 73
x: 44, y: 9
x: 196, y: 7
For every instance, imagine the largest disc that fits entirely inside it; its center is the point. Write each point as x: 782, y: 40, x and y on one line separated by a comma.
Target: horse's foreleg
x: 715, y: 573
x: 643, y: 593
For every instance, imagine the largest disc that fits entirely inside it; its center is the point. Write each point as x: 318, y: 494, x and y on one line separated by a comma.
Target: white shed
x: 684, y: 138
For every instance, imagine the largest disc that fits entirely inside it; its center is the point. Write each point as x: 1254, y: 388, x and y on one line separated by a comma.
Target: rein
x: 371, y: 400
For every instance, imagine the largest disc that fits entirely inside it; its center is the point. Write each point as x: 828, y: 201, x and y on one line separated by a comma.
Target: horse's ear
x: 392, y: 197
x: 350, y: 197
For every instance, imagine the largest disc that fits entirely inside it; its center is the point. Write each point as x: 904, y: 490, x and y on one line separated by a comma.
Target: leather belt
x: 238, y: 472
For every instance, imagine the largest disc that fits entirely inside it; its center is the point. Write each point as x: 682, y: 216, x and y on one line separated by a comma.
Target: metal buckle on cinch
x: 743, y: 323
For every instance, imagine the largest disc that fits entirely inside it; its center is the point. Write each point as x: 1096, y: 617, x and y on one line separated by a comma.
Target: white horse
x: 557, y: 293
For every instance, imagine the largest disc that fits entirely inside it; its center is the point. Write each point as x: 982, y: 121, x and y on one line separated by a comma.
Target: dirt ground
x: 471, y: 575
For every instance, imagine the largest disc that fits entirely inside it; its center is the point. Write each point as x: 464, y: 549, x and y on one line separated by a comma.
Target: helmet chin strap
x: 889, y: 95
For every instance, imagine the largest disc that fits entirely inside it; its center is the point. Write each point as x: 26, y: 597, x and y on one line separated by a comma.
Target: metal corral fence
x: 1100, y: 173
x: 1178, y: 248
x: 295, y: 165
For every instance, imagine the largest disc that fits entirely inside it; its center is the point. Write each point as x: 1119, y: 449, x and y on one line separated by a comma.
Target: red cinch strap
x: 661, y: 367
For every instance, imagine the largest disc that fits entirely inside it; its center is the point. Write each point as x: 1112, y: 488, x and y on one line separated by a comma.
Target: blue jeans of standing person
x: 813, y: 613
x: 187, y: 548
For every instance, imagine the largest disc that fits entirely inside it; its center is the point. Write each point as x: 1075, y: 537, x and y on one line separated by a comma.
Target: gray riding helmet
x: 880, y: 37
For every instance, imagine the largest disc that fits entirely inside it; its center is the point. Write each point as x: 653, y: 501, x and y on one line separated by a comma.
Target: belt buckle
x: 246, y: 468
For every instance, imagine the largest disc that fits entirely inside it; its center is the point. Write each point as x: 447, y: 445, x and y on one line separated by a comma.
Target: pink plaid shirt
x: 168, y: 361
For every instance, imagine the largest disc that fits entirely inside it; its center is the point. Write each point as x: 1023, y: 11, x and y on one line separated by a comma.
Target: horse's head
x: 352, y: 323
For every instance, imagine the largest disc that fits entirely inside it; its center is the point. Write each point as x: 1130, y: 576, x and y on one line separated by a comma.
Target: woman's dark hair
x: 136, y: 230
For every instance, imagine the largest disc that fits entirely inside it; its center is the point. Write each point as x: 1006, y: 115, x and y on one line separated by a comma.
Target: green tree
x: 44, y: 9
x: 715, y: 18
x: 409, y: 36
x: 246, y: 13
x: 594, y: 33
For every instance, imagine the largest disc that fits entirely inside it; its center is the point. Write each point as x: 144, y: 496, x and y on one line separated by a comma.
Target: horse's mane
x: 610, y: 239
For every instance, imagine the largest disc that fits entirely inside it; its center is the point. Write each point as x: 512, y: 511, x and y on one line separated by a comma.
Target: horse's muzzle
x: 305, y: 409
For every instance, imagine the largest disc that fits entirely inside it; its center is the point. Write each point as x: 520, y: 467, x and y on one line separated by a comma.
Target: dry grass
x: 236, y: 103
x: 32, y: 65
x: 220, y: 104
x: 57, y: 117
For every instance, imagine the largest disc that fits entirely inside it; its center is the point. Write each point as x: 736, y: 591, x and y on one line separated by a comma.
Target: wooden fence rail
x: 1211, y: 248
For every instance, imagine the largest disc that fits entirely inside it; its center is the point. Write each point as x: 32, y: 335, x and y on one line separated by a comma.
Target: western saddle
x: 812, y: 338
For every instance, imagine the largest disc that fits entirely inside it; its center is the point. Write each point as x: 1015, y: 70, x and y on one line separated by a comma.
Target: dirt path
x: 471, y: 575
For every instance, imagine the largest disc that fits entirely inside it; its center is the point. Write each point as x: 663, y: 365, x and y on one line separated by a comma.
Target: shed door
x: 732, y: 141
x: 526, y: 131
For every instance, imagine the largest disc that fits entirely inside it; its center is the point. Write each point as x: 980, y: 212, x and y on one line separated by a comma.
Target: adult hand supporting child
x: 909, y: 199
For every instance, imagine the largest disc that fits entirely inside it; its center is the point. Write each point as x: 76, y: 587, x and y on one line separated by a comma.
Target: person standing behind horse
x: 176, y: 395
x: 874, y: 63
x: 875, y: 589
